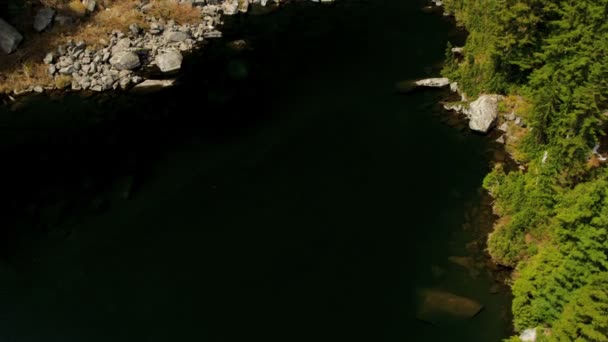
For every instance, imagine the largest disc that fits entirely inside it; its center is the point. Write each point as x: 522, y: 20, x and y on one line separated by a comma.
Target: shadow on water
x: 280, y: 193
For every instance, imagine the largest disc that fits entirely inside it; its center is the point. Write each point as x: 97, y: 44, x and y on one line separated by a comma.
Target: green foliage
x: 553, y: 224
x: 585, y: 318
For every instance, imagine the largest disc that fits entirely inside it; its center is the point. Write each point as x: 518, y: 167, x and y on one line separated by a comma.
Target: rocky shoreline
x: 124, y: 59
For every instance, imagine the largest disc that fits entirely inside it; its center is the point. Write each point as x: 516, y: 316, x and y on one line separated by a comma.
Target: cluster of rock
x: 80, y: 67
x: 161, y: 44
x: 112, y: 66
x: 506, y: 127
x: 482, y: 113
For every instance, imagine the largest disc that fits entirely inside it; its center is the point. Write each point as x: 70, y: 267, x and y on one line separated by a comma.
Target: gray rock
x: 76, y: 85
x: 454, y: 87
x: 9, y: 37
x: 125, y: 82
x: 89, y: 5
x: 212, y: 34
x: 43, y: 18
x: 125, y: 60
x: 528, y: 335
x: 106, y: 57
x: 501, y: 140
x: 230, y: 7
x: 67, y: 70
x: 121, y: 45
x: 504, y: 127
x: 149, y: 86
x: 483, y: 112
x: 124, y: 73
x: 433, y: 82
x: 156, y: 28
x: 146, y: 8
x: 107, y: 81
x: 52, y: 70
x: 38, y: 89
x: 174, y: 36
x: 80, y: 46
x: 169, y: 61
x: 49, y: 58
x: 65, y: 61
x: 134, y: 28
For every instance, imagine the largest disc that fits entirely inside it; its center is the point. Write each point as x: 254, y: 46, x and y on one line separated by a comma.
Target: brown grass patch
x: 181, y: 13
x: 594, y: 162
x: 516, y: 136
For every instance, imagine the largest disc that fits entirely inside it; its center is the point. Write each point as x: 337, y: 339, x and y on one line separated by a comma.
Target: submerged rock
x: 9, y: 37
x: 437, y: 307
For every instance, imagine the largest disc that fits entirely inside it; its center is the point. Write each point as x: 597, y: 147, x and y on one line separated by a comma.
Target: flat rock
x: 44, y: 17
x: 442, y: 307
x: 9, y: 37
x: 150, y: 86
x: 438, y: 82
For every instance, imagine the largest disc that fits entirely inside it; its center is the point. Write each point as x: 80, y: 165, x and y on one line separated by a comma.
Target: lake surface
x: 284, y: 192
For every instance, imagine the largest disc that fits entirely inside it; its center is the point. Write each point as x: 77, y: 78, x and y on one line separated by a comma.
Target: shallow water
x: 281, y: 193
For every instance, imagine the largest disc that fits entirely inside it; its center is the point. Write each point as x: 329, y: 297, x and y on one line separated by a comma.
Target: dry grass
x: 168, y: 9
x: 25, y: 68
x: 593, y: 162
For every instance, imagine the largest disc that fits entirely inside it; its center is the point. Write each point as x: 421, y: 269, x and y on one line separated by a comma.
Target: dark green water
x: 300, y: 201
